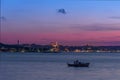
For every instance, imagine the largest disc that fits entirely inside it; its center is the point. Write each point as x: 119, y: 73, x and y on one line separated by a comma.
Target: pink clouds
x: 96, y: 34
x: 83, y: 37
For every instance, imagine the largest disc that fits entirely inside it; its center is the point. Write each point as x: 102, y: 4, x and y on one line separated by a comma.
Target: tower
x: 18, y: 42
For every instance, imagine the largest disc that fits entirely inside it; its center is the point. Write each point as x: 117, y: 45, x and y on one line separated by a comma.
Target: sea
x: 53, y: 66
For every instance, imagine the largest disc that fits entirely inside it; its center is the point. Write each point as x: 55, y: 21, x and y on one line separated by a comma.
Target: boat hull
x: 78, y: 65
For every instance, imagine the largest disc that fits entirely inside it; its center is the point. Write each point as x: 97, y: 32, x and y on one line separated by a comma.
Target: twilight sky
x: 38, y: 21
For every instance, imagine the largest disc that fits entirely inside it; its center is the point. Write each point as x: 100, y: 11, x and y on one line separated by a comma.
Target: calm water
x: 47, y: 66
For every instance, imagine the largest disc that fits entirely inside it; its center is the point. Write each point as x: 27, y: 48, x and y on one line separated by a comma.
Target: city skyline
x: 69, y: 22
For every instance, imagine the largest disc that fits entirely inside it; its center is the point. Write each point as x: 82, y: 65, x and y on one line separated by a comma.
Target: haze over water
x: 52, y: 66
x: 68, y: 22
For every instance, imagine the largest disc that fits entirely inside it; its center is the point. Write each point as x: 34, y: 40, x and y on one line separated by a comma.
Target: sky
x: 94, y: 22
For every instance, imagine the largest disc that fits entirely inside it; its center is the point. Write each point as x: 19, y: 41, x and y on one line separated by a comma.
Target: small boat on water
x: 78, y: 64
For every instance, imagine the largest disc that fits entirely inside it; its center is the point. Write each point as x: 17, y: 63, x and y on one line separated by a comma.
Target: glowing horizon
x: 84, y: 22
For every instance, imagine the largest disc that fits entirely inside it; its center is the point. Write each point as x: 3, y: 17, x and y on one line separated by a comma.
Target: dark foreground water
x: 47, y: 66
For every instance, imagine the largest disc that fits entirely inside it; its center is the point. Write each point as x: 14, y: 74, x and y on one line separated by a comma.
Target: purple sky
x: 38, y: 21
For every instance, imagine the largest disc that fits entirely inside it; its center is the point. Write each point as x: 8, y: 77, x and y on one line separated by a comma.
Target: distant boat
x: 78, y: 64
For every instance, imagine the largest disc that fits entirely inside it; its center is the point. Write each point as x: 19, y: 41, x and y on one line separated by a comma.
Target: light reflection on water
x: 32, y: 66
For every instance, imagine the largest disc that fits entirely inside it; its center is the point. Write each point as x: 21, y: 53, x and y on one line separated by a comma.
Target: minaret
x: 18, y: 42
x: 0, y: 32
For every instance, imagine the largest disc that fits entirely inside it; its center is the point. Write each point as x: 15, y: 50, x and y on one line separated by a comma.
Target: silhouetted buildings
x: 55, y: 47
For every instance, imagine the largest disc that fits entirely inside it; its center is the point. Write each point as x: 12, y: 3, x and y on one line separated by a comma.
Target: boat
x: 78, y: 64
